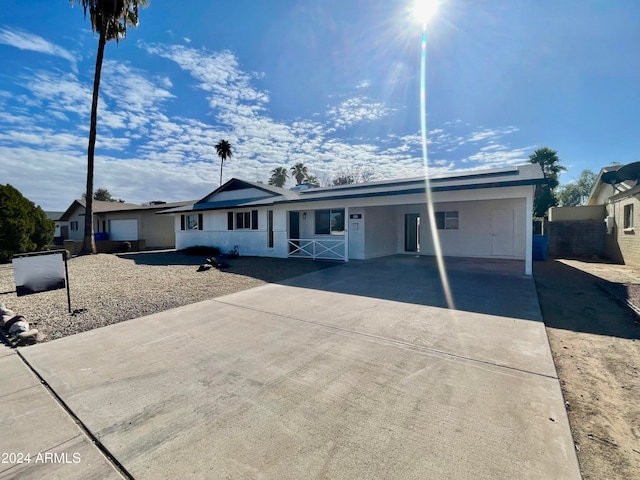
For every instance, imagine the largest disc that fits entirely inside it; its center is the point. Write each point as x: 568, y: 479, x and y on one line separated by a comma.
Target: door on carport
x: 125, y: 229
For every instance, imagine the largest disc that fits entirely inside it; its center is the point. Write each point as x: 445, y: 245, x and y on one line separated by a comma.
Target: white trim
x: 314, y: 248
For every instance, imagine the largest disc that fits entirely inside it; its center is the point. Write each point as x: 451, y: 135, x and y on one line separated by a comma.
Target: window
x: 329, y: 222
x: 244, y: 220
x: 191, y: 222
x: 74, y: 225
x: 628, y: 216
x: 447, y: 220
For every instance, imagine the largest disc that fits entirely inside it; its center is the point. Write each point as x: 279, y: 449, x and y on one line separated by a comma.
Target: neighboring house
x: 124, y: 222
x: 478, y: 214
x: 618, y: 190
x: 55, y: 217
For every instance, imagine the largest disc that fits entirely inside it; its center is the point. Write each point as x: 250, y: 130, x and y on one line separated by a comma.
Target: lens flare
x: 424, y: 10
x: 432, y: 217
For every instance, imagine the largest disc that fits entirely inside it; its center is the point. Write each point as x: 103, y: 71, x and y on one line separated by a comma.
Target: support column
x: 528, y: 255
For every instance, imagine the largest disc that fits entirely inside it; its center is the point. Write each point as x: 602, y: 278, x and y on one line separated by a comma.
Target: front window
x: 243, y: 220
x: 329, y: 222
x: 628, y: 216
x: 74, y: 225
x: 191, y: 222
x: 447, y: 220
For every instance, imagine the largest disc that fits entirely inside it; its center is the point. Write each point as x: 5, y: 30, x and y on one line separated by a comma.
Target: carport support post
x: 346, y: 234
x: 528, y: 256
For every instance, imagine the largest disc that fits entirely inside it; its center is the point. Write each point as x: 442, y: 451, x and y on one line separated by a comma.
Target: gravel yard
x: 108, y: 289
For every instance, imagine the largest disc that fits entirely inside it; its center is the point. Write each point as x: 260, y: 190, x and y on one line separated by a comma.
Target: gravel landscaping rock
x: 107, y: 289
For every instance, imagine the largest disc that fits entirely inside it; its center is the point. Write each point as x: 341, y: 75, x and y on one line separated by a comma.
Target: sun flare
x: 424, y: 10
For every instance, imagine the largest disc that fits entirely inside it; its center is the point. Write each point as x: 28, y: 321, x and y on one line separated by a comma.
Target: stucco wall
x: 251, y: 242
x: 474, y: 236
x: 380, y: 231
x: 593, y: 212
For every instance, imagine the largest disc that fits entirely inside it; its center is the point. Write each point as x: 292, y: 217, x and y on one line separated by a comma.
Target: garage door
x: 123, y: 229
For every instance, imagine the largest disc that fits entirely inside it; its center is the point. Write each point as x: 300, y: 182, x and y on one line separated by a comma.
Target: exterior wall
x: 574, y: 239
x: 381, y: 225
x: 156, y: 230
x: 250, y: 242
x: 593, y: 212
x: 601, y: 194
x: 238, y: 194
x: 473, y: 238
x: 624, y: 245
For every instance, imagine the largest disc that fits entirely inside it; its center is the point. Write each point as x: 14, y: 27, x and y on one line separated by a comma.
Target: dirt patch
x: 595, y: 341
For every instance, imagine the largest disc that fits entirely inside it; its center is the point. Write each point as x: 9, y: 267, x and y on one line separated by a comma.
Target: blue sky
x: 332, y: 83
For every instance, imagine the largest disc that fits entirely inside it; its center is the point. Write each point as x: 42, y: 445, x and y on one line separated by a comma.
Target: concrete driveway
x: 357, y: 371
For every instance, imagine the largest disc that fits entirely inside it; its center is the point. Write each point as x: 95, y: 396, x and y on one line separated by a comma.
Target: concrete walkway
x: 357, y: 371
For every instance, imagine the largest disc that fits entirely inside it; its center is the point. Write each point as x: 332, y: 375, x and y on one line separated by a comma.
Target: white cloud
x: 356, y: 110
x: 28, y: 41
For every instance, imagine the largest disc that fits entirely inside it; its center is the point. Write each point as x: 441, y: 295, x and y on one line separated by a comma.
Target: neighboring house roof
x: 55, y: 216
x: 109, y: 207
x: 500, y: 177
x: 602, y: 190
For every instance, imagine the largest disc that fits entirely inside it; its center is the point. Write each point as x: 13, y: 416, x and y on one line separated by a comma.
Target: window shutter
x: 199, y: 221
x: 229, y: 220
x: 181, y: 222
x: 254, y: 219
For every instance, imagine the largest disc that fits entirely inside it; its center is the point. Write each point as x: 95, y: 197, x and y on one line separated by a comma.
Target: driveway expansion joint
x: 93, y: 439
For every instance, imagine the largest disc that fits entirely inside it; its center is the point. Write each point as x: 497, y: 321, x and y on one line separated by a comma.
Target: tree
x: 354, y: 174
x: 109, y: 19
x: 299, y: 171
x: 312, y: 180
x: 24, y: 227
x: 278, y: 177
x: 224, y: 151
x: 545, y: 194
x: 577, y: 193
x: 103, y: 195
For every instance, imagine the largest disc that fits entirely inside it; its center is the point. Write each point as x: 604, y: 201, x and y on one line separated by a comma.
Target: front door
x: 294, y: 230
x: 502, y: 233
x: 411, y: 240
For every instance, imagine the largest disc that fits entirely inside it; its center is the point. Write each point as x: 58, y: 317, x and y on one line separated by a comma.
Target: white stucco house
x: 478, y: 214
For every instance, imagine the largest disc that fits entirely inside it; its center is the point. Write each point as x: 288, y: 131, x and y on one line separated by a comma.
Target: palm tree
x: 223, y: 149
x: 110, y: 19
x: 278, y: 177
x: 299, y: 170
x: 545, y: 196
x: 312, y: 180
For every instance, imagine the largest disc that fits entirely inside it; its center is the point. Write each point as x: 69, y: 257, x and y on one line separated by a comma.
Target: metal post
x: 66, y: 274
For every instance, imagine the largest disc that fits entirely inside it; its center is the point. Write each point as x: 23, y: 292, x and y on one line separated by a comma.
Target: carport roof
x: 499, y: 177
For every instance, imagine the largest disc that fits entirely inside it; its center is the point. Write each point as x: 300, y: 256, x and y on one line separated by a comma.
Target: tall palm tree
x: 278, y: 177
x: 224, y: 151
x: 109, y: 19
x: 299, y: 170
x: 545, y: 195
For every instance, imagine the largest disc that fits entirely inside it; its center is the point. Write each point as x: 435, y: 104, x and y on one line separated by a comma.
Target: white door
x: 123, y: 229
x: 502, y: 233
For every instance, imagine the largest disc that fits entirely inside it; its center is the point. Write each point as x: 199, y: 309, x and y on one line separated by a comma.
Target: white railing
x: 322, y: 249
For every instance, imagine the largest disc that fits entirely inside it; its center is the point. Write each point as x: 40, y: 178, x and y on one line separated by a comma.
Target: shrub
x: 24, y: 227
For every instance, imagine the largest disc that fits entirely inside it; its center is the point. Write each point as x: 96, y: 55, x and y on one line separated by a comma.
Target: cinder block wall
x: 575, y: 239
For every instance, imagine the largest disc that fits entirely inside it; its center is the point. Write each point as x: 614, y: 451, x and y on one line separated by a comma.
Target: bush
x: 24, y: 227
x: 201, y: 250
